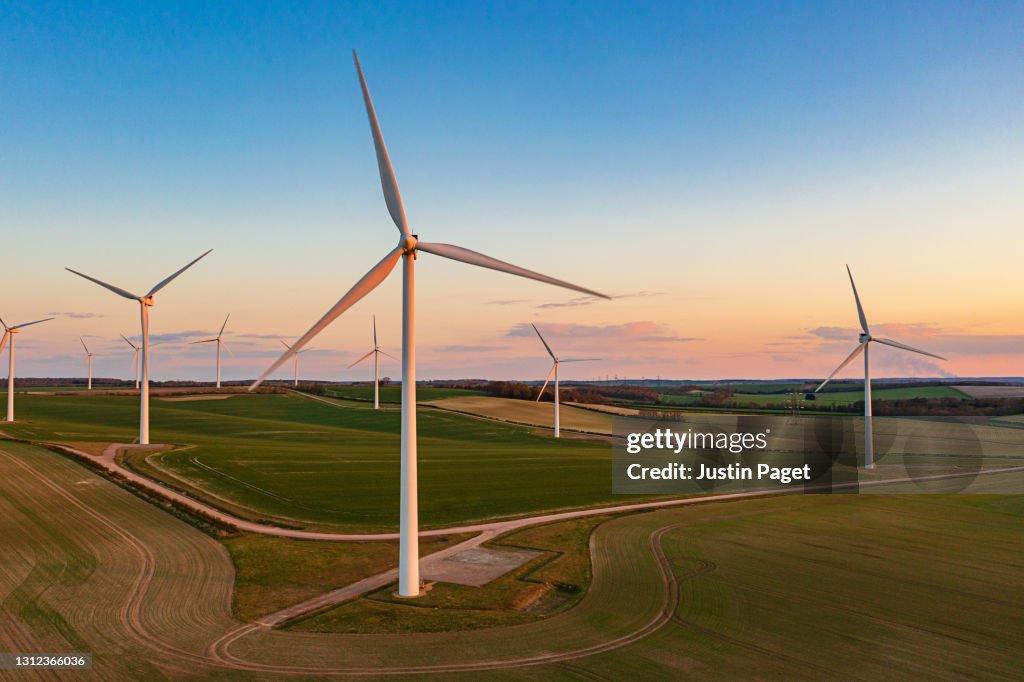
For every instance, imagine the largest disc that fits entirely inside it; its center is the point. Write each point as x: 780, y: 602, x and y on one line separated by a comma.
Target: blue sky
x: 638, y: 146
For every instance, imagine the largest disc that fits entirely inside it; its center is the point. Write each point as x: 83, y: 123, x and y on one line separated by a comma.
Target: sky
x: 713, y: 166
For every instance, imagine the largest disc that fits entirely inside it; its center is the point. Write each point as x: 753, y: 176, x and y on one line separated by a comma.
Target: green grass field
x: 302, y: 462
x: 910, y: 587
x: 745, y: 396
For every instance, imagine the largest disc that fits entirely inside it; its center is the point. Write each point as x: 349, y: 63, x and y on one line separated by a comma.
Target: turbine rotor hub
x: 146, y: 301
x: 864, y: 338
x: 408, y: 243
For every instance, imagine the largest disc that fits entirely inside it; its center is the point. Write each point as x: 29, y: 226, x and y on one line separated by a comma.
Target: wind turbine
x: 554, y: 370
x: 297, y: 354
x: 407, y: 249
x: 9, y: 333
x: 219, y: 343
x: 376, y: 352
x: 135, y: 359
x: 88, y: 359
x: 145, y: 303
x: 865, y: 340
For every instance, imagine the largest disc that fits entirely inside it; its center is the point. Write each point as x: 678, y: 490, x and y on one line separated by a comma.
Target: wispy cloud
x: 590, y: 300
x: 270, y: 337
x: 75, y: 315
x: 468, y: 349
x: 507, y: 301
x: 643, y: 331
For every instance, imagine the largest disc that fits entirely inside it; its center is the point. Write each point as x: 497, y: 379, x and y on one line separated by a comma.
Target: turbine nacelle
x: 864, y: 338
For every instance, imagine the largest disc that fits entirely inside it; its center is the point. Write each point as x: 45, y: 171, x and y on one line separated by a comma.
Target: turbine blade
x: 375, y: 332
x: 128, y: 342
x: 223, y: 326
x: 392, y: 197
x: 848, y: 360
x: 117, y: 290
x: 361, y: 359
x: 135, y: 362
x: 83, y: 345
x: 473, y: 258
x: 3, y: 341
x: 389, y: 355
x: 368, y: 283
x: 897, y: 344
x: 545, y: 384
x: 3, y: 323
x: 860, y: 309
x: 167, y: 281
x: 550, y: 352
x: 581, y: 359
x: 284, y: 344
x: 203, y: 341
x: 27, y: 324
x: 226, y: 347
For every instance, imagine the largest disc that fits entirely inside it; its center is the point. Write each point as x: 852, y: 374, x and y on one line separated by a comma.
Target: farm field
x: 840, y: 397
x: 312, y: 463
x: 393, y: 394
x: 529, y: 412
x: 723, y: 590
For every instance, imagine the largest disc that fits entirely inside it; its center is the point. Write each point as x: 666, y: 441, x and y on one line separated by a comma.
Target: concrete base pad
x: 477, y: 566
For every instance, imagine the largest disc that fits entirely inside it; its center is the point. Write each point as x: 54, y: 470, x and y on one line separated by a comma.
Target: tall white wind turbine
x: 554, y: 370
x: 407, y: 249
x: 376, y: 352
x: 88, y: 360
x: 145, y: 303
x: 135, y: 359
x: 295, y: 379
x: 8, y: 337
x: 220, y: 342
x: 864, y: 346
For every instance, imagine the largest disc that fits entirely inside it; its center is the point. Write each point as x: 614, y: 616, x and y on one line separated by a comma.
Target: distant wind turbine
x: 865, y: 339
x: 145, y: 303
x: 135, y: 359
x: 554, y: 370
x: 219, y: 343
x: 9, y: 333
x: 407, y: 250
x: 297, y: 354
x: 88, y: 359
x: 376, y: 352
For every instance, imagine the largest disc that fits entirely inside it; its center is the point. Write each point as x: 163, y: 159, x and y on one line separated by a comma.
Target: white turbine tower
x: 8, y: 337
x: 376, y: 353
x: 295, y: 380
x: 407, y: 249
x: 554, y: 370
x: 219, y: 343
x: 88, y: 360
x: 145, y: 303
x: 865, y: 340
x: 135, y: 359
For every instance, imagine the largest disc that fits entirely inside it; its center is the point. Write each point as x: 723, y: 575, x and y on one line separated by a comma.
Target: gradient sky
x: 714, y: 165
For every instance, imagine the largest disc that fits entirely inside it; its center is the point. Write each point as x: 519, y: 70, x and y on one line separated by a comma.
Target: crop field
x: 723, y: 590
x: 332, y: 464
x: 393, y: 394
x: 530, y: 412
x: 846, y: 397
x: 840, y: 397
x: 944, y: 602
